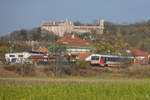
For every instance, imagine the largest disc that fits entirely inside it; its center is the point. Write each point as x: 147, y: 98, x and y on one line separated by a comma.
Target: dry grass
x: 138, y: 71
x: 135, y: 71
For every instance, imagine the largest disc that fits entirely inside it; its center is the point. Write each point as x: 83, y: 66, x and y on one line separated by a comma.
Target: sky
x: 28, y: 14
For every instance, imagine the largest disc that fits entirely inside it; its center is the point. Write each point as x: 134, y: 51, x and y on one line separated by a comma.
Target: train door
x: 102, y: 61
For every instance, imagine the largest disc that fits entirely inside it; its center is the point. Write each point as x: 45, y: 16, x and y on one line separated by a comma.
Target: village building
x: 141, y: 57
x: 60, y: 28
x: 42, y: 49
x: 41, y: 59
x: 20, y: 57
x: 76, y: 47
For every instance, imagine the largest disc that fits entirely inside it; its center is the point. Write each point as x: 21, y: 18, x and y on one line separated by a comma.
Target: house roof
x: 37, y: 57
x: 139, y: 53
x: 73, y: 40
x: 82, y: 56
x: 42, y: 50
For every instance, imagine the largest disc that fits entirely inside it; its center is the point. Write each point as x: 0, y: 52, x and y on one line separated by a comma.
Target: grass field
x: 74, y: 89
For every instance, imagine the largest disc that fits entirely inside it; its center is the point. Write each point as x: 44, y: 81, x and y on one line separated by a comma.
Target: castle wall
x: 60, y: 28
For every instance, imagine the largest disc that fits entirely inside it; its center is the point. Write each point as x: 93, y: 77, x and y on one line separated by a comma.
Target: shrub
x: 22, y: 69
x: 82, y: 64
x: 107, y: 70
x: 61, y: 69
x: 46, y: 70
x: 9, y: 67
x: 138, y: 71
x: 67, y: 70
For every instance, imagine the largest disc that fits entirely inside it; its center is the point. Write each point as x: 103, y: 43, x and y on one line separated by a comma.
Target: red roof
x: 37, y: 57
x: 139, y: 53
x: 42, y: 50
x: 70, y: 40
x: 82, y: 56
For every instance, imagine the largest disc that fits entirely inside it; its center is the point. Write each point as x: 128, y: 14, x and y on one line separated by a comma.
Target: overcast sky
x: 27, y: 14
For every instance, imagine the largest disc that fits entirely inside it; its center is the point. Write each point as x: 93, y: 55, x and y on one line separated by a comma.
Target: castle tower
x: 67, y: 21
x: 101, y: 24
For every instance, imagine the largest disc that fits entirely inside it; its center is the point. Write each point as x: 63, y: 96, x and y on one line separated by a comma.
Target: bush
x: 67, y: 70
x: 46, y: 70
x: 107, y: 70
x: 82, y: 64
x: 60, y: 69
x: 22, y: 69
x: 9, y: 67
x: 138, y: 71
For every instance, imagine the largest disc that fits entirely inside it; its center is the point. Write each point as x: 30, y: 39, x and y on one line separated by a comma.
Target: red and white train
x: 106, y: 60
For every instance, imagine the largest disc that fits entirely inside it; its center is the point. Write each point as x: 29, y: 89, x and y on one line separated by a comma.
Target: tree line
x: 136, y: 35
x: 34, y: 34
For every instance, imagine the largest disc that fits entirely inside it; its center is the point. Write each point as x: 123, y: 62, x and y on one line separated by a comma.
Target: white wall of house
x: 78, y: 50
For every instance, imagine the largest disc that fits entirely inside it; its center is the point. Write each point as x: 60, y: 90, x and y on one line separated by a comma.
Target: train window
x: 111, y: 59
x: 117, y: 59
x: 95, y: 57
x: 20, y: 55
x: 11, y: 55
x: 108, y: 59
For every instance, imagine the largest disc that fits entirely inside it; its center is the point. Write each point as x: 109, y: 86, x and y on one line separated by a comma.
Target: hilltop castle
x: 60, y: 28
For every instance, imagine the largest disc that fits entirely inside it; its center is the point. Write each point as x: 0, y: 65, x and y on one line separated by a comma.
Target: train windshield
x: 95, y: 58
x: 112, y: 59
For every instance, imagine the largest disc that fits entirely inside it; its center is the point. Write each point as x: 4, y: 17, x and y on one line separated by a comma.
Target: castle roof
x: 52, y: 23
x: 90, y: 28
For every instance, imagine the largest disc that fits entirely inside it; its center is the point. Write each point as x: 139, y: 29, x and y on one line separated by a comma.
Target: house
x: 74, y: 44
x: 41, y: 58
x: 44, y: 50
x: 140, y: 56
x: 76, y: 47
x: 20, y: 57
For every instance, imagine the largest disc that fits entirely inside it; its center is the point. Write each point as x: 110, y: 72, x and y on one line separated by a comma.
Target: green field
x: 74, y: 89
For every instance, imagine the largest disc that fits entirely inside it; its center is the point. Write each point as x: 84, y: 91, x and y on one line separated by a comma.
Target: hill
x: 136, y: 35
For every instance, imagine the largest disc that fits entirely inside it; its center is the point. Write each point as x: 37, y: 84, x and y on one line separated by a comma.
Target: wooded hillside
x: 134, y: 35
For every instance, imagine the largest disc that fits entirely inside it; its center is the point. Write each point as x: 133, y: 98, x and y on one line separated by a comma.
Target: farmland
x: 94, y: 83
x: 74, y: 89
